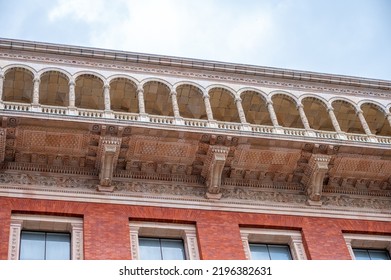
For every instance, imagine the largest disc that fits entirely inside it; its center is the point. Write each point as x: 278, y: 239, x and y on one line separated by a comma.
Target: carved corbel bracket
x: 108, y: 153
x: 313, y: 179
x: 213, y: 169
x: 3, y: 136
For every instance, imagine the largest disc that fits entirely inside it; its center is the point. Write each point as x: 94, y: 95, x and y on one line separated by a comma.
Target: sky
x: 346, y: 37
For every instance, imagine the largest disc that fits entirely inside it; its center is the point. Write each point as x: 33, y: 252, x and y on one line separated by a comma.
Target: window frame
x: 273, y: 237
x: 186, y: 232
x: 367, y: 241
x: 269, y: 246
x: 46, y: 223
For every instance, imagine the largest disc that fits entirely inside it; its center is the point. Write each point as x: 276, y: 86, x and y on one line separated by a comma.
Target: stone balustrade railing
x: 167, y: 120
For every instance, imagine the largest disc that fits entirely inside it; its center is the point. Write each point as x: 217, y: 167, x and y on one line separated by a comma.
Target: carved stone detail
x: 296, y: 85
x: 109, y: 149
x: 3, y: 136
x: 15, y: 230
x: 213, y: 168
x: 313, y: 177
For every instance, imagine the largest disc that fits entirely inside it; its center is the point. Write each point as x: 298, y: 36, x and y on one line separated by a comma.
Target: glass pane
x: 172, y: 249
x: 58, y: 246
x: 279, y: 252
x: 379, y: 255
x: 32, y: 245
x: 149, y: 249
x: 259, y: 252
x: 361, y: 254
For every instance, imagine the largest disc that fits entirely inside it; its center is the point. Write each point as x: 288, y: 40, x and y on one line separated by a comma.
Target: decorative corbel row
x: 313, y: 177
x: 213, y: 169
x: 109, y: 148
x: 3, y: 135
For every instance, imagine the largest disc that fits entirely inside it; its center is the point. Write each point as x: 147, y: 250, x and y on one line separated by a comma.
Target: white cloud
x: 89, y: 11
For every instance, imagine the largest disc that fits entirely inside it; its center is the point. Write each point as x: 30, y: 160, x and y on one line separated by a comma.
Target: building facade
x: 117, y: 154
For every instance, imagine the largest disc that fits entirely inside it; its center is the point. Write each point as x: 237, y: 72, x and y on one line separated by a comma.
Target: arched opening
x: 18, y: 85
x: 190, y: 102
x: 254, y: 107
x: 317, y: 114
x: 157, y: 99
x: 123, y: 96
x: 54, y: 89
x: 223, y: 105
x: 286, y: 111
x: 89, y: 92
x: 347, y: 117
x: 376, y: 119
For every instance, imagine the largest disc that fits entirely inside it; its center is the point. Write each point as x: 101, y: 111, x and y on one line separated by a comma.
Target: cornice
x: 193, y: 68
x: 192, y: 196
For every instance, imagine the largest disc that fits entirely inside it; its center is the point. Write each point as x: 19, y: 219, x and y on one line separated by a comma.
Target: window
x: 35, y: 245
x: 161, y: 249
x: 371, y: 254
x: 45, y: 237
x: 368, y: 247
x: 163, y: 241
x: 272, y: 244
x: 270, y: 252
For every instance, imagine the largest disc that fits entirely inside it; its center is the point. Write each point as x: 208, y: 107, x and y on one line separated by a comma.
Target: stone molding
x: 367, y: 241
x: 34, y: 222
x: 274, y: 236
x: 164, y: 230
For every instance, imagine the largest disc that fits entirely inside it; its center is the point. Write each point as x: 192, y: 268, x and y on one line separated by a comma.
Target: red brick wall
x: 106, y: 229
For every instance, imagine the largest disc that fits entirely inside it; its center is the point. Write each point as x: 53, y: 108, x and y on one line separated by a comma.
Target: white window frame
x: 46, y: 223
x: 367, y: 241
x: 164, y: 230
x: 273, y: 236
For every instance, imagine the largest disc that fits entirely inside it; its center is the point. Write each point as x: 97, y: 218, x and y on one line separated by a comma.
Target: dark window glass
x: 45, y: 246
x: 161, y: 249
x: 270, y: 252
x: 371, y: 254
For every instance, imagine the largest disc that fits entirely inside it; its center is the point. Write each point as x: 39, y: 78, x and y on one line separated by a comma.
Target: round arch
x: 18, y: 83
x: 316, y: 111
x: 157, y: 97
x: 222, y: 102
x: 255, y: 107
x: 54, y: 87
x: 376, y: 117
x: 285, y: 106
x: 190, y: 98
x: 346, y: 113
x: 123, y: 94
x: 89, y: 90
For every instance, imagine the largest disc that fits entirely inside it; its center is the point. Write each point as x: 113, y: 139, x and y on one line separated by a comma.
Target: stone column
x: 1, y: 86
x: 174, y: 101
x: 36, y: 91
x: 71, y: 95
x: 208, y: 108
x: 389, y: 118
x: 303, y: 117
x: 334, y: 120
x: 140, y: 96
x: 363, y: 122
x: 106, y: 93
x: 242, y: 116
x: 272, y: 113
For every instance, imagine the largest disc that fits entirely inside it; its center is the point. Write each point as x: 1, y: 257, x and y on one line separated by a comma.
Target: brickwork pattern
x: 106, y: 228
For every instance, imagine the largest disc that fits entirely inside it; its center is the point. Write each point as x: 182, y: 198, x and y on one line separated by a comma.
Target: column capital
x: 106, y: 86
x: 72, y: 83
x: 299, y: 105
x: 359, y: 111
x: 205, y: 96
x: 238, y: 99
x: 173, y: 92
x: 140, y: 88
x: 2, y: 76
x: 36, y: 80
x: 330, y: 109
x: 269, y: 101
